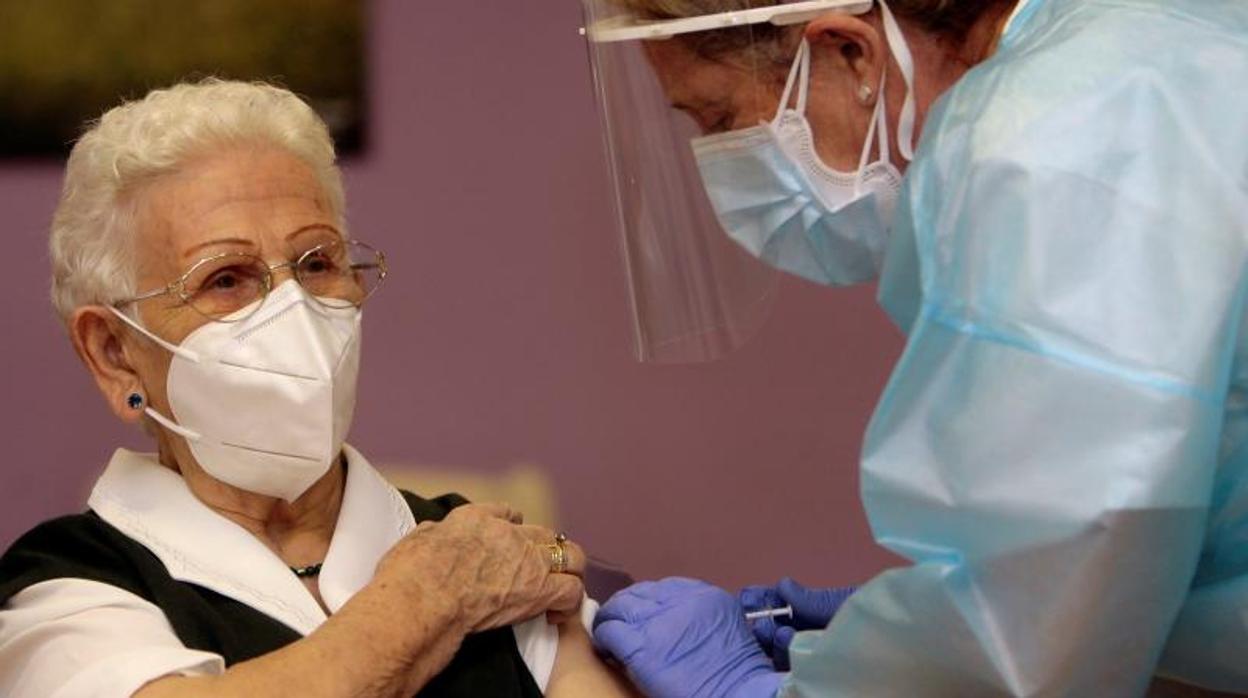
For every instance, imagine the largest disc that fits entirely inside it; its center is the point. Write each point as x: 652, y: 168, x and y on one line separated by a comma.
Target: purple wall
x: 503, y: 334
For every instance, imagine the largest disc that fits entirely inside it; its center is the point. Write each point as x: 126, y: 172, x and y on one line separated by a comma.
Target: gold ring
x: 559, y: 554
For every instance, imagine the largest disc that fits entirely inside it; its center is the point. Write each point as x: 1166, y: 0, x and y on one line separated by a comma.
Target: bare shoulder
x: 579, y: 671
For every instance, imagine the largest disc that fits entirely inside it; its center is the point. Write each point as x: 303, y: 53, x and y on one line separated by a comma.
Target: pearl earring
x: 864, y: 94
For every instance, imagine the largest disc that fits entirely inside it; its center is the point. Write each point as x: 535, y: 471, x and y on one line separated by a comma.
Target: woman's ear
x: 852, y: 47
x: 98, y: 339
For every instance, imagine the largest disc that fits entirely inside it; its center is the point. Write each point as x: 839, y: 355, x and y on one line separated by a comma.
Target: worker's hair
x: 92, y: 236
x: 950, y: 19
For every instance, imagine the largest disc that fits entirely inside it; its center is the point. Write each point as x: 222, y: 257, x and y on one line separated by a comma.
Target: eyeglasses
x: 337, y: 274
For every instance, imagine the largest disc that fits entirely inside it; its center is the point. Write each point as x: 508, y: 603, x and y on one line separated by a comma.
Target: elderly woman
x: 201, y: 268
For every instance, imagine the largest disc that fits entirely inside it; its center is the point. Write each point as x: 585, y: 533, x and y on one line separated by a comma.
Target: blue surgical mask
x: 775, y: 197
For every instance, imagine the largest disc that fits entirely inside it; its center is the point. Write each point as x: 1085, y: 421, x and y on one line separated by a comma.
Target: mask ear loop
x: 877, y: 131
x: 799, y: 71
x: 172, y: 426
x: 185, y: 353
x: 180, y: 351
x: 881, y: 119
x: 905, y: 61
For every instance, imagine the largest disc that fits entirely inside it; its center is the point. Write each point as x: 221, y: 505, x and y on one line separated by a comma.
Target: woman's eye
x: 223, y: 281
x: 230, y: 279
x: 315, y: 265
x: 318, y: 264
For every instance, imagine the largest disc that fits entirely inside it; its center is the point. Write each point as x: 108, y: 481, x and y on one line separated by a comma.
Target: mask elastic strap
x: 172, y: 426
x: 905, y: 61
x: 173, y: 348
x: 180, y: 351
x: 881, y: 120
x: 799, y: 72
x: 877, y: 131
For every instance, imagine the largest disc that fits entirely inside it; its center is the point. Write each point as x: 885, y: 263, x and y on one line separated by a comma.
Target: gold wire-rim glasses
x: 377, y: 265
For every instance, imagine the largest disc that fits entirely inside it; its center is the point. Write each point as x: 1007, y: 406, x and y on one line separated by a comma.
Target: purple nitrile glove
x: 813, y: 609
x: 685, y: 639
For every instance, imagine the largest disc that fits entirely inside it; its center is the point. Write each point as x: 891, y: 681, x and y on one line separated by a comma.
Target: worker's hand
x: 486, y: 566
x: 813, y: 609
x: 682, y: 637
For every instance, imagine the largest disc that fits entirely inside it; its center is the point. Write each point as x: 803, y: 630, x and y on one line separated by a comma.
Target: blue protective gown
x: 1063, y: 449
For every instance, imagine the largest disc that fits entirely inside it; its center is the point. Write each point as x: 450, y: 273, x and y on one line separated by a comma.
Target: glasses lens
x: 221, y: 286
x: 341, y: 274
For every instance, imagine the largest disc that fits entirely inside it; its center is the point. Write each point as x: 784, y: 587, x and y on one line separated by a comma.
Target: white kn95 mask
x: 265, y: 403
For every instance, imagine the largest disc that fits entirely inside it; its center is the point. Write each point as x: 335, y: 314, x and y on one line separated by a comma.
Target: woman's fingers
x: 500, y: 571
x: 565, y: 593
x: 497, y: 510
x: 544, y: 538
x: 557, y: 595
x: 538, y: 534
x: 576, y: 559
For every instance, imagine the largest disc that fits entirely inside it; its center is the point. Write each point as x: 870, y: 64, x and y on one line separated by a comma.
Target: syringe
x: 769, y: 613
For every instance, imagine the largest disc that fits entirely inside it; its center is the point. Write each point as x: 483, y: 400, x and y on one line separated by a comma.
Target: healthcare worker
x: 1062, y: 450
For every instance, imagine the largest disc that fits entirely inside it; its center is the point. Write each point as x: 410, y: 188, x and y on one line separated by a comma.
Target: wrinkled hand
x: 483, y: 562
x: 684, y: 638
x: 813, y: 609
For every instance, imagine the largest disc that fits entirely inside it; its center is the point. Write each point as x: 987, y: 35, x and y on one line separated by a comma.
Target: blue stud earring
x: 135, y: 401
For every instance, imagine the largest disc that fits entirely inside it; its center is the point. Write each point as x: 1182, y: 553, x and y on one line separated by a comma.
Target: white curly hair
x: 92, y: 235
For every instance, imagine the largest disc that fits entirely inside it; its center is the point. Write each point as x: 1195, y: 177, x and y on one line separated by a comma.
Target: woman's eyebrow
x: 217, y: 241
x: 251, y: 243
x: 322, y: 227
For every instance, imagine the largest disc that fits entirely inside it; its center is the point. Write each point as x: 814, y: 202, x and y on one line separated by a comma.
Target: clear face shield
x: 661, y: 83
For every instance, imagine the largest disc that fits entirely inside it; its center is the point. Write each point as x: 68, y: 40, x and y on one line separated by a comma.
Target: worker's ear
x: 99, y: 339
x: 848, y: 52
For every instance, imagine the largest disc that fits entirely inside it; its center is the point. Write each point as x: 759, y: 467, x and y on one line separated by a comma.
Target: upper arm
x: 561, y: 657
x: 579, y: 671
x: 74, y: 637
